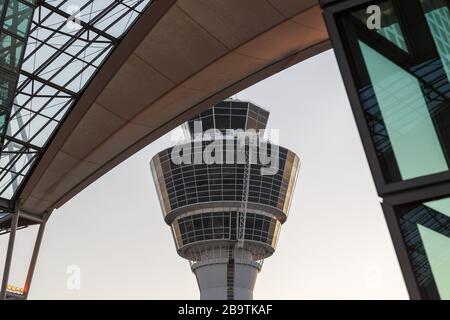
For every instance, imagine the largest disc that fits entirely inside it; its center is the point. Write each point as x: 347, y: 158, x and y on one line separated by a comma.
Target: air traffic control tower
x: 225, y: 194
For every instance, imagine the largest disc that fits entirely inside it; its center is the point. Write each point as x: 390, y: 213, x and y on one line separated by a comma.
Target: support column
x: 37, y: 246
x: 9, y: 254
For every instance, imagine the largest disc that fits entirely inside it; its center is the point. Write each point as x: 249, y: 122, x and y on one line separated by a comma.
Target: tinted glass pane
x: 426, y: 230
x: 18, y: 17
x: 406, y: 117
x: 403, y: 84
x: 7, y: 83
x: 238, y: 122
x: 3, y: 123
x: 438, y: 19
x: 222, y: 122
x: 200, y: 227
x: 10, y: 52
x: 390, y: 27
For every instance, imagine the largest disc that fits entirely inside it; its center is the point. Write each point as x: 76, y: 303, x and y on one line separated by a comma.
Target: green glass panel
x: 7, y: 83
x: 390, y: 28
x: 439, y: 22
x: 414, y: 142
x: 18, y: 17
x: 437, y: 248
x: 10, y: 52
x: 425, y: 229
x: 422, y: 66
x: 442, y: 206
x: 3, y: 123
x: 394, y: 34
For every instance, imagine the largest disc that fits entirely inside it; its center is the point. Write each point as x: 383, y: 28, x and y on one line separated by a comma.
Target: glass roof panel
x: 67, y: 43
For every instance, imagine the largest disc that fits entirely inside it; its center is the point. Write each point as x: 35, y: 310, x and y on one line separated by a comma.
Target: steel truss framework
x: 67, y: 44
x: 406, y: 203
x: 64, y: 45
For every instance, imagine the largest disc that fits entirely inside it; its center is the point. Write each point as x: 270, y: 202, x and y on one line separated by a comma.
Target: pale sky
x: 334, y: 245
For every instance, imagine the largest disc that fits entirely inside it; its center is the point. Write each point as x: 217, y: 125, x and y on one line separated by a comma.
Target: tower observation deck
x: 225, y: 192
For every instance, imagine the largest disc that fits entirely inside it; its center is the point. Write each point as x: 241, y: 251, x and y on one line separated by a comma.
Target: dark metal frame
x: 425, y: 188
x: 7, y: 205
x: 401, y: 249
x: 384, y: 188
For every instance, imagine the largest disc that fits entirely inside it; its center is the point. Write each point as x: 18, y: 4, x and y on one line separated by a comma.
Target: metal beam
x: 88, y: 26
x: 9, y: 253
x: 37, y: 246
x: 6, y: 205
x: 53, y: 85
x: 23, y: 143
x: 33, y: 217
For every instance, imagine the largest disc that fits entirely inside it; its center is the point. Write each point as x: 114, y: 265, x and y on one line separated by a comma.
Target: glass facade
x: 401, y: 72
x: 397, y: 75
x: 57, y: 50
x: 426, y: 230
x: 15, y: 21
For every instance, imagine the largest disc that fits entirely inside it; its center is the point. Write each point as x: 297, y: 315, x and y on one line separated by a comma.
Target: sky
x: 334, y: 245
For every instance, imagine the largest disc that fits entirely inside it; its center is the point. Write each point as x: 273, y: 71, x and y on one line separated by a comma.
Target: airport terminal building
x: 69, y: 67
